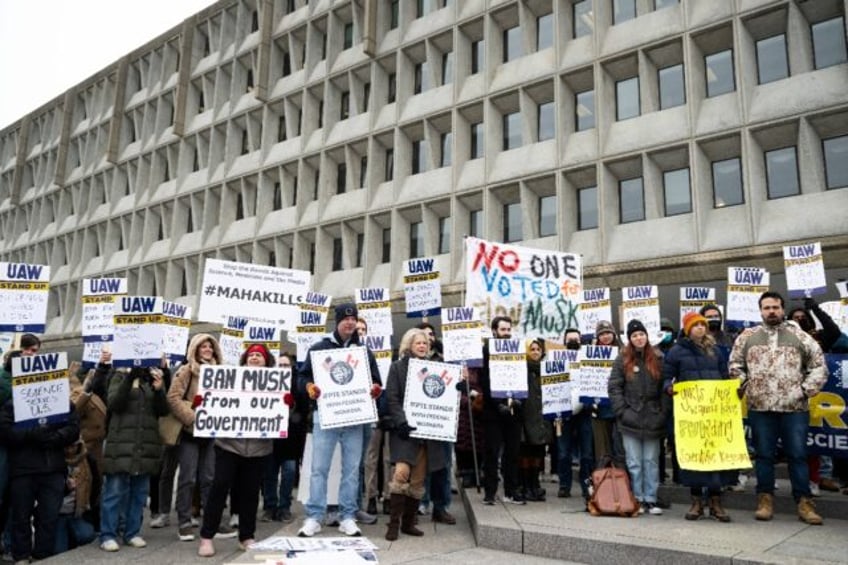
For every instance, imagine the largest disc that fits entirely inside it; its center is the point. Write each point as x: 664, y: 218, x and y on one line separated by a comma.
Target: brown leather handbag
x: 612, y: 495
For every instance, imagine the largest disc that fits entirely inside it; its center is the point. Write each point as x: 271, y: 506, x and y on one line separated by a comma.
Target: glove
x: 313, y: 391
x: 376, y: 391
x: 740, y: 392
x: 88, y: 385
x: 288, y: 400
x: 198, y: 400
x: 404, y: 430
x: 462, y: 386
x: 810, y: 303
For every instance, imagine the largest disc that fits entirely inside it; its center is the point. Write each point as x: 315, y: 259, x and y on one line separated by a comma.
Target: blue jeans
x: 272, y: 499
x: 791, y: 428
x: 323, y: 445
x: 576, y: 436
x: 123, y: 494
x: 643, y: 458
x: 72, y: 532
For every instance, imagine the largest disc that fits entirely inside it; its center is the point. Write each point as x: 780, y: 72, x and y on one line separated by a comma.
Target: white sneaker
x: 110, y: 545
x: 234, y: 521
x: 348, y: 527
x: 654, y: 509
x: 195, y: 523
x: 137, y: 541
x: 310, y: 527
x: 160, y: 521
x: 814, y: 489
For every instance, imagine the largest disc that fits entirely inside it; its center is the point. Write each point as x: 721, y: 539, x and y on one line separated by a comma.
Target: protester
x: 641, y: 408
x: 470, y: 448
x: 780, y: 367
x: 696, y: 357
x: 72, y: 529
x: 715, y: 321
x: 605, y: 434
x: 575, y: 437
x: 536, y: 430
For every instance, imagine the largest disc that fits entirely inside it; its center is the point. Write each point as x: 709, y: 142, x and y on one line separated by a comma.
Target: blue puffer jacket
x: 687, y: 362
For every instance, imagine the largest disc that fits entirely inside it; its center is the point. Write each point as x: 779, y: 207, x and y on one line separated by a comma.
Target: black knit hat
x: 634, y: 326
x: 345, y: 310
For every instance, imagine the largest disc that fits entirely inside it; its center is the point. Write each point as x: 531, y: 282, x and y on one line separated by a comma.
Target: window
x: 583, y: 18
x: 348, y: 36
x: 829, y: 42
x: 254, y: 21
x: 281, y: 129
x: 446, y: 144
x: 546, y: 121
x: 512, y: 222
x: 344, y: 111
x: 390, y: 164
x: 511, y: 131
x: 587, y: 208
x: 447, y: 67
x: 366, y: 96
x: 720, y: 77
x: 363, y: 171
x: 416, y: 240
x: 476, y: 140
x: 623, y: 10
x: 321, y: 114
x: 392, y: 88
x: 421, y: 8
x: 475, y: 223
x: 672, y: 91
x: 323, y: 46
x: 836, y: 161
x: 360, y: 249
x: 477, y: 56
x: 294, y: 190
x: 387, y: 246
x: 547, y: 216
x: 727, y: 182
x: 337, y: 254
x: 511, y: 44
x: 419, y: 157
x: 772, y: 63
x: 660, y: 4
x: 444, y: 235
x: 678, y: 199
x: 782, y: 173
x: 632, y: 200
x: 544, y: 32
x: 393, y: 14
x: 316, y: 182
x: 341, y: 178
x: 627, y: 98
x: 584, y: 109
x: 286, y: 64
x: 422, y: 81
x: 278, y: 199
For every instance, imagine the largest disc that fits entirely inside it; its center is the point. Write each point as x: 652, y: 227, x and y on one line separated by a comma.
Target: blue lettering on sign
x: 749, y: 277
x: 316, y: 298
x: 807, y: 250
x: 555, y: 367
x: 598, y: 352
x: 23, y: 272
x: 375, y: 342
x: 40, y: 363
x: 144, y: 304
x: 506, y: 345
x: 105, y: 286
x: 310, y: 318
x: 370, y: 294
x: 697, y: 293
x: 594, y: 295
x: 236, y: 323
x: 260, y: 333
x: 421, y: 266
x: 636, y: 292
x: 460, y: 314
x: 174, y: 309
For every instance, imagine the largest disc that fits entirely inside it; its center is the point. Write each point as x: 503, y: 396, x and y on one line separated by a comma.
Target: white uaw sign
x: 242, y: 402
x: 40, y: 390
x: 344, y: 378
x: 431, y: 401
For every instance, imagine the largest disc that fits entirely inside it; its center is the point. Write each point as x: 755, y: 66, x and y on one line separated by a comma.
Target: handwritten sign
x: 708, y: 426
x: 828, y: 431
x: 592, y: 380
x: 540, y: 290
x: 556, y: 382
x: 262, y: 334
x: 376, y: 309
x: 462, y: 334
x: 269, y: 295
x: 176, y: 324
x: 242, y: 402
x: 842, y: 319
x: 24, y: 290
x: 595, y: 307
x: 642, y: 303
x: 40, y: 389
x: 693, y: 298
x: 421, y: 288
x: 98, y: 314
x: 508, y: 368
x: 744, y: 287
x: 231, y: 340
x: 305, y: 337
x: 138, y: 331
x: 345, y: 382
x: 431, y: 401
x: 804, y: 270
x: 381, y: 347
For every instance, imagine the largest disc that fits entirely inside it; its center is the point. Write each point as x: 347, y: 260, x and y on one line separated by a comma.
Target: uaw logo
x: 341, y: 372
x: 433, y: 385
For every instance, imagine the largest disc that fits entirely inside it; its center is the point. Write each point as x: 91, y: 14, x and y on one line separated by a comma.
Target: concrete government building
x: 663, y: 140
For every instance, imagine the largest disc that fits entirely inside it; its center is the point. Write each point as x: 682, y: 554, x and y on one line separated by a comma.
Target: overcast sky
x: 47, y: 46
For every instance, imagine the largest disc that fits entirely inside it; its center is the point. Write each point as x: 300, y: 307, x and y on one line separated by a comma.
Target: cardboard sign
x: 556, y: 383
x: 344, y: 378
x: 744, y: 287
x: 375, y: 308
x: 24, y: 290
x: 508, y: 368
x: 595, y: 307
x: 462, y: 335
x: 592, y: 380
x: 176, y: 325
x: 40, y: 389
x: 422, y: 288
x: 138, y: 331
x: 642, y: 303
x: 242, y: 402
x: 231, y: 340
x: 431, y: 401
x: 804, y: 270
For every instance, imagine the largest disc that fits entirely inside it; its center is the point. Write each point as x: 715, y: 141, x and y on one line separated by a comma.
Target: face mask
x: 714, y: 324
x: 665, y: 337
x: 572, y: 345
x: 806, y: 324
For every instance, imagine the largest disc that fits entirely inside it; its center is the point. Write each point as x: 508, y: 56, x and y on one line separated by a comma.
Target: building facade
x: 663, y: 140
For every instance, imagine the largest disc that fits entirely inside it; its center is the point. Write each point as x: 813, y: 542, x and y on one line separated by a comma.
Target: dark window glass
x: 475, y: 228
x: 393, y: 17
x: 447, y: 68
x: 299, y: 121
x: 422, y: 78
x: 829, y: 42
x: 585, y: 110
x: 419, y: 157
x: 547, y: 216
x: 720, y: 77
x: 360, y: 249
x: 421, y: 8
x: 286, y: 64
x: 632, y: 200
x: 444, y: 235
x: 312, y: 258
x: 587, y: 208
x: 772, y: 62
x: 672, y: 91
x: 348, y: 36
x: 344, y: 111
x: 363, y: 171
x: 782, y: 173
x: 386, y: 256
x: 627, y: 98
x: 477, y: 56
x: 836, y: 161
x: 512, y: 222
x: 446, y: 143
x: 511, y: 44
x: 511, y: 131
x: 476, y: 140
x: 341, y: 178
x: 254, y: 21
x: 623, y: 10
x: 289, y: 6
x: 323, y: 46
x: 583, y: 18
x: 278, y: 198
x: 281, y: 128
x: 546, y: 121
x: 337, y: 254
x: 321, y: 114
x: 416, y: 240
x: 366, y: 96
x: 392, y: 88
x: 390, y: 164
x: 727, y: 182
x: 316, y: 184
x: 678, y: 199
x: 294, y: 190
x: 544, y: 32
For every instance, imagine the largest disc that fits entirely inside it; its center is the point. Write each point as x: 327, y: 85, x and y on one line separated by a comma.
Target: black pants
x: 46, y: 489
x: 502, y: 433
x: 231, y: 469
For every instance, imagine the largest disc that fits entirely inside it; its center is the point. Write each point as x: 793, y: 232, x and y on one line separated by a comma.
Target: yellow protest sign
x: 708, y: 431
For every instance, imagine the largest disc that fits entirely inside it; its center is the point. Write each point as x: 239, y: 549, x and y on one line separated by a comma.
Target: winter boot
x: 807, y: 512
x: 696, y: 510
x: 409, y: 517
x: 396, y: 504
x: 765, y: 507
x: 716, y: 510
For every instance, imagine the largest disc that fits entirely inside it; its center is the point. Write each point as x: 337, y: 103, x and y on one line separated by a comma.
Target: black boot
x: 396, y: 504
x: 409, y: 517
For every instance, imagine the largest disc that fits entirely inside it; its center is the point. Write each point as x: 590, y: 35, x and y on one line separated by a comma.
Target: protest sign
x: 231, y: 340
x: 508, y: 368
x: 98, y: 314
x: 744, y: 287
x: 138, y: 331
x: 242, y: 402
x: 24, y: 290
x: 40, y: 389
x: 431, y: 401
x: 376, y: 309
x: 842, y: 322
x: 828, y: 431
x: 462, y: 335
x: 176, y: 324
x: 381, y: 347
x: 693, y: 298
x: 269, y: 295
x: 305, y: 337
x: 262, y: 334
x: 540, y: 290
x: 592, y: 379
x: 708, y: 429
x: 595, y: 307
x: 804, y: 270
x: 556, y: 382
x: 642, y: 303
x: 421, y: 288
x: 343, y: 375
x: 314, y: 309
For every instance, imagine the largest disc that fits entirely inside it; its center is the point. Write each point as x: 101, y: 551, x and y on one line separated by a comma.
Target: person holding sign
x: 696, y: 357
x: 413, y: 458
x: 537, y: 432
x: 641, y: 409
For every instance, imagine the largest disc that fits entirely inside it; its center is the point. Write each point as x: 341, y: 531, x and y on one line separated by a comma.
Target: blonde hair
x: 706, y: 343
x: 405, y: 347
